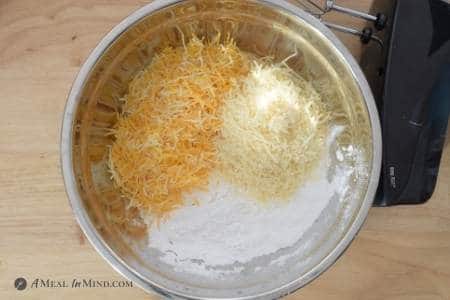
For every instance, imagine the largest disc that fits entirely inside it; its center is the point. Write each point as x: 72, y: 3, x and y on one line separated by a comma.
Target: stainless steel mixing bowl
x: 264, y: 28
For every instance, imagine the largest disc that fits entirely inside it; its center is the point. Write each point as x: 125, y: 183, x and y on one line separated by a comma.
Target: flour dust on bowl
x: 220, y: 149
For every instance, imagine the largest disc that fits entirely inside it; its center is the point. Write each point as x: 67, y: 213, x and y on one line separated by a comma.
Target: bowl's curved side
x: 67, y: 145
x: 83, y: 217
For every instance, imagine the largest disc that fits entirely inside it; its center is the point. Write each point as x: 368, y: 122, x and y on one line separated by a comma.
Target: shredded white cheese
x: 273, y: 132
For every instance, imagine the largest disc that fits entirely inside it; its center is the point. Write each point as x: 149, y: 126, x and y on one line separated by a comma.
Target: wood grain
x: 401, y: 253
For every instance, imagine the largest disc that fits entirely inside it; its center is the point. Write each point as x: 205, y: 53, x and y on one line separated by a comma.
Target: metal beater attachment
x: 379, y: 20
x: 365, y: 35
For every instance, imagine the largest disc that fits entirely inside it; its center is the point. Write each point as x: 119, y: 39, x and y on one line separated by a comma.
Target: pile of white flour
x: 228, y: 227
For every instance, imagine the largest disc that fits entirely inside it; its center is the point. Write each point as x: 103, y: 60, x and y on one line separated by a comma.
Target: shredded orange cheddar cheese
x: 164, y: 139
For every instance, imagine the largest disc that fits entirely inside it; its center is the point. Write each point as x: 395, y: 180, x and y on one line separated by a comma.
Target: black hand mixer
x: 406, y: 59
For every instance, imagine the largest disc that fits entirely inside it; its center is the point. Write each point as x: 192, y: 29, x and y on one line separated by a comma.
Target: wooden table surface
x: 401, y: 253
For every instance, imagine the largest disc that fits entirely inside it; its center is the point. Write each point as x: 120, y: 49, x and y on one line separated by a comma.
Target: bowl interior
x: 258, y: 27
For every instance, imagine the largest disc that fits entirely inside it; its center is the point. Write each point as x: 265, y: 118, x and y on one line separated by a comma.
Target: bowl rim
x: 108, y: 254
